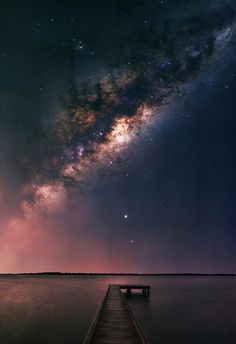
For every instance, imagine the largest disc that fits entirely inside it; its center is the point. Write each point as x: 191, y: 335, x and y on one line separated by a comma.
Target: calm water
x: 49, y: 310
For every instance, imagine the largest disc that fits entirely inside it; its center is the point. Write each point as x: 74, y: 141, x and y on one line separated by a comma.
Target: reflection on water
x: 59, y: 309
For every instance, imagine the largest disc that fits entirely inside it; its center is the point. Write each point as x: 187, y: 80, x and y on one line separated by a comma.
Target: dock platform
x: 129, y: 287
x: 114, y: 322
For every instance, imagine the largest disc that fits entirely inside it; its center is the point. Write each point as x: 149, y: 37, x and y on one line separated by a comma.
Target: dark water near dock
x: 59, y: 309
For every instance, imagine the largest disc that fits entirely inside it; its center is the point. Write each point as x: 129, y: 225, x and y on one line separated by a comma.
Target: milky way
x: 97, y: 120
x: 82, y: 83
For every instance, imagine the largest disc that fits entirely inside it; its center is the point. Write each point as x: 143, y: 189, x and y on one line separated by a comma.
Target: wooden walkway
x: 114, y: 323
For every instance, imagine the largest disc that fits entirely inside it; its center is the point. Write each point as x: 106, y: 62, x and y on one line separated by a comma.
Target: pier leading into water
x: 114, y: 322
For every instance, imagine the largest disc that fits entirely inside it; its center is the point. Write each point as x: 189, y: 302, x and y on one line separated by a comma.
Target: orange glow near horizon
x: 29, y: 246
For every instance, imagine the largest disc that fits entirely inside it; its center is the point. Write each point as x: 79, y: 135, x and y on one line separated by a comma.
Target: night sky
x: 118, y: 136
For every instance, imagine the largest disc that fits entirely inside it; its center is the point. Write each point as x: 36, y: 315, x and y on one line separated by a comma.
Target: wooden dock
x: 114, y: 322
x: 129, y: 287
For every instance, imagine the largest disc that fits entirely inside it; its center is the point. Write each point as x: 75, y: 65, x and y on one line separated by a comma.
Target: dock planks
x: 114, y: 322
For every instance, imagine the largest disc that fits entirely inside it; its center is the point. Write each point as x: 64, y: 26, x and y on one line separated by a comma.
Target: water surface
x: 59, y: 309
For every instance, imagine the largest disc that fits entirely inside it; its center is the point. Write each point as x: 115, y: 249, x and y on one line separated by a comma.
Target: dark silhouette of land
x: 112, y: 274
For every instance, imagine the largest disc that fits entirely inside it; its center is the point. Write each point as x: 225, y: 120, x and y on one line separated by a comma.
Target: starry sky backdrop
x: 117, y: 136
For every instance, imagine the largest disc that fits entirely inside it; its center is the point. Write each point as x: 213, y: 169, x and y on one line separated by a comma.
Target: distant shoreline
x: 113, y: 274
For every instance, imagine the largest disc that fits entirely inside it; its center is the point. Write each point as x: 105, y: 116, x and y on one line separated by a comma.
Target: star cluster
x: 117, y: 135
x: 99, y: 118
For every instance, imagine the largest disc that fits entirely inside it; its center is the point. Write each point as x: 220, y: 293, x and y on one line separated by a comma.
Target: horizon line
x: 119, y: 273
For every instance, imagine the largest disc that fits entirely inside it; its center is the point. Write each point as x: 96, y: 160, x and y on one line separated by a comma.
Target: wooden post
x: 146, y: 291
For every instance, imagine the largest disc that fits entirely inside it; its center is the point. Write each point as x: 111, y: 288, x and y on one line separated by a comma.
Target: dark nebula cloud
x: 151, y: 62
x: 157, y: 47
x: 80, y: 83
